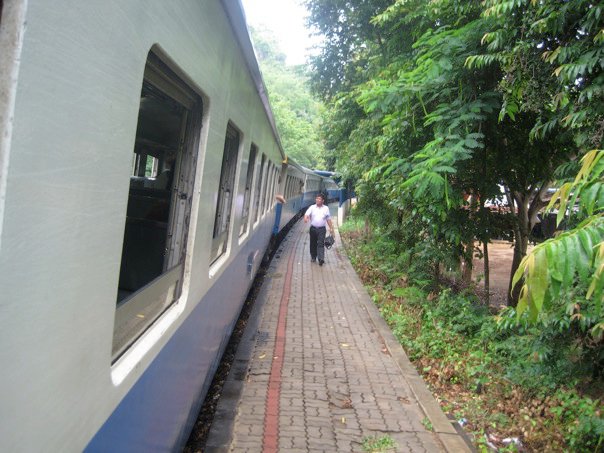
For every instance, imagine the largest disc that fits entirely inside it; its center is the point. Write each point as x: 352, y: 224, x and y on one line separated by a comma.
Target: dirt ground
x: 500, y: 264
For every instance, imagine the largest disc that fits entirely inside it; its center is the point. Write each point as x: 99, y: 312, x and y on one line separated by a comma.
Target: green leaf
x: 537, y: 283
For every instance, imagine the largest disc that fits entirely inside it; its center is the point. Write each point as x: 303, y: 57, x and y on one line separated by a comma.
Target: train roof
x: 236, y: 15
x: 325, y: 173
x: 308, y: 171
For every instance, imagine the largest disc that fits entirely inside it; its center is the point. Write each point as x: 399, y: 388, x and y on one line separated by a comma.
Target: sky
x: 286, y: 19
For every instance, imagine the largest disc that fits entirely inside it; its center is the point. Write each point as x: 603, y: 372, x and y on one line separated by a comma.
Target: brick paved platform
x: 319, y: 370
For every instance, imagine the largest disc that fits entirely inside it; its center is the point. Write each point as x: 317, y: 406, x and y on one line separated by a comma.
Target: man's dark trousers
x: 317, y: 243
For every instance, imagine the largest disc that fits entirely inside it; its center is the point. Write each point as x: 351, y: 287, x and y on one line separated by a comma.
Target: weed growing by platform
x: 375, y: 444
x: 427, y: 424
x: 506, y: 384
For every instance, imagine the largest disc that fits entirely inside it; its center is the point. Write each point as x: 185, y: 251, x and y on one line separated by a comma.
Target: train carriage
x: 313, y: 185
x: 294, y: 199
x: 138, y: 166
x: 332, y: 190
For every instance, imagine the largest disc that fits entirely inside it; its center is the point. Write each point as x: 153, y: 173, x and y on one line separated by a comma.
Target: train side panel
x: 163, y: 402
x: 66, y: 169
x: 292, y: 186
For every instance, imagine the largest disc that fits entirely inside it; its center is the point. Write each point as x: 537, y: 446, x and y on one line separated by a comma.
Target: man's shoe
x: 312, y: 260
x: 321, y: 262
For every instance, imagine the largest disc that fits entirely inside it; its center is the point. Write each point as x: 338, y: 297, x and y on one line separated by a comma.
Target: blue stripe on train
x: 159, y: 411
x: 278, y: 210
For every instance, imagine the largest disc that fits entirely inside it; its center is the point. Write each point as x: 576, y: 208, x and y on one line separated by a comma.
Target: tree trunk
x: 520, y: 243
x: 467, y: 264
x: 436, y: 271
x: 467, y: 259
x: 528, y: 204
x: 487, y: 285
x: 484, y: 220
x: 520, y: 246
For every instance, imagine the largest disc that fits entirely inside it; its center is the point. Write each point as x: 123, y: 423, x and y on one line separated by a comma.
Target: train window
x: 269, y: 190
x: 226, y: 188
x: 159, y: 202
x: 260, y: 188
x: 273, y: 190
x: 245, y: 212
x: 273, y: 187
x: 288, y: 180
x: 145, y: 166
x: 267, y: 183
x: 269, y: 187
x: 277, y: 181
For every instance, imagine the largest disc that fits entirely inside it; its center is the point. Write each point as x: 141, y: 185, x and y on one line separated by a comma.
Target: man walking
x: 318, y: 215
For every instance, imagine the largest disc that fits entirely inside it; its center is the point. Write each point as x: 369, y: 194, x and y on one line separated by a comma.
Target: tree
x: 427, y: 122
x: 568, y: 38
x: 563, y: 278
x: 297, y: 113
x: 350, y: 40
x: 552, y: 61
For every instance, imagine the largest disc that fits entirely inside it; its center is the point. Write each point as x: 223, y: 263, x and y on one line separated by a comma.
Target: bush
x: 515, y: 377
x: 582, y: 418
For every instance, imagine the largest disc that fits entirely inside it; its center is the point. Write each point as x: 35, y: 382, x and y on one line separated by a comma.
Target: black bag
x: 329, y: 241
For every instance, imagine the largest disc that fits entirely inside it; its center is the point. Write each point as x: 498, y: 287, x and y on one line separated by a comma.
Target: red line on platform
x: 270, y: 442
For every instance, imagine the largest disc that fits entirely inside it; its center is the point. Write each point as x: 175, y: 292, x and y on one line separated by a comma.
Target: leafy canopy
x: 297, y: 113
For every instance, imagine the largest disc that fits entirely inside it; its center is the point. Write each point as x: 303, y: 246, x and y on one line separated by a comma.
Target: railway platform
x: 318, y: 369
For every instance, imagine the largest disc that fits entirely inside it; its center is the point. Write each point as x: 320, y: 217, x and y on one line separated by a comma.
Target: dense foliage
x: 419, y: 98
x: 434, y: 106
x: 476, y: 364
x: 297, y: 113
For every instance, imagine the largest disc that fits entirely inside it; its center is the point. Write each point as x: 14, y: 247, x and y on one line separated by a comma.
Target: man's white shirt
x: 318, y: 215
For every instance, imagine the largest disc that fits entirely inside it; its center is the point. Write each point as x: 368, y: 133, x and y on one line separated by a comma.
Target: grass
x: 375, y: 444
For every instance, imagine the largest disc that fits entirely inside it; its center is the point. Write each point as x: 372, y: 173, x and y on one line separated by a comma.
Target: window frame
x: 248, y: 190
x: 223, y: 212
x: 262, y: 210
x: 137, y: 312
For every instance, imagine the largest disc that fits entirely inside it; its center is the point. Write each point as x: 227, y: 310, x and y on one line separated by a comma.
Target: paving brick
x: 336, y: 381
